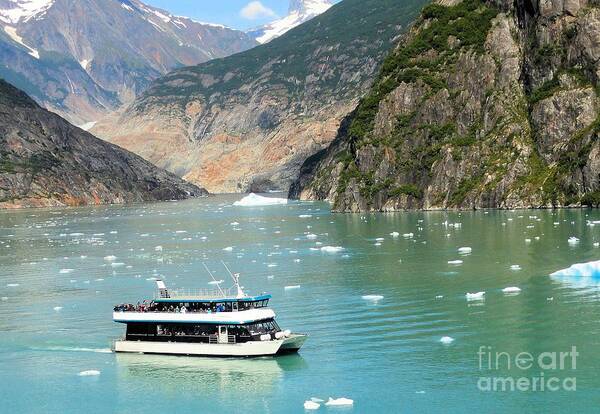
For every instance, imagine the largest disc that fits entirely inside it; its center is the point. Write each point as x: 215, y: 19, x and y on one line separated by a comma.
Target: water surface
x: 58, y: 291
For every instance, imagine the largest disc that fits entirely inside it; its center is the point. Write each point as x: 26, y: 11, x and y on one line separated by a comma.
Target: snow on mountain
x: 299, y: 12
x: 14, y: 11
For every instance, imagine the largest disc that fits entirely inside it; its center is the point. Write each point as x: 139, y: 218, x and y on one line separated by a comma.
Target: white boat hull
x: 246, y: 349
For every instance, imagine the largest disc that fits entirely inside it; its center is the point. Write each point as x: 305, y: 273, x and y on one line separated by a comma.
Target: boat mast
x: 236, y: 282
x: 213, y: 278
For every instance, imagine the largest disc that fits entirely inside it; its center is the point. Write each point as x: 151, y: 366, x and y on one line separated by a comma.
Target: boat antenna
x: 213, y: 278
x: 236, y: 281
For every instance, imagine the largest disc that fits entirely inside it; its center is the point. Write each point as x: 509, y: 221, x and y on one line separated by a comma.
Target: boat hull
x: 246, y: 349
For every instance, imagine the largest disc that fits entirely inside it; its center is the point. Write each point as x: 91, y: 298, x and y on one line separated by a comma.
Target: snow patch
x: 12, y: 32
x: 24, y: 10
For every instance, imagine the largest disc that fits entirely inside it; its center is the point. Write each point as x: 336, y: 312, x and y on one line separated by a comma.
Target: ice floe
x: 311, y: 236
x: 373, y: 298
x: 465, y: 250
x: 65, y: 271
x: 573, y: 240
x: 395, y: 234
x: 110, y: 258
x: 332, y: 249
x: 511, y: 289
x: 228, y: 249
x: 89, y: 373
x: 292, y: 287
x: 339, y: 401
x: 475, y: 296
x: 455, y: 262
x: 57, y: 308
x: 446, y: 340
x: 311, y: 405
x: 255, y: 200
x: 515, y: 267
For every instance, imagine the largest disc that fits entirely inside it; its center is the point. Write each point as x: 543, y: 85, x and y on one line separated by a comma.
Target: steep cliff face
x: 483, y: 104
x: 248, y: 121
x: 85, y: 58
x: 45, y: 161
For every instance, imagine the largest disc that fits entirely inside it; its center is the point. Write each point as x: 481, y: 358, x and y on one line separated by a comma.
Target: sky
x: 239, y: 14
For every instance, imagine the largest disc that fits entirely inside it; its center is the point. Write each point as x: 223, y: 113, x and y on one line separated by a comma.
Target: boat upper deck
x: 204, y: 296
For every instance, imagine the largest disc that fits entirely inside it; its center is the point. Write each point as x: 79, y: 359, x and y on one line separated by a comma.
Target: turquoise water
x: 58, y: 291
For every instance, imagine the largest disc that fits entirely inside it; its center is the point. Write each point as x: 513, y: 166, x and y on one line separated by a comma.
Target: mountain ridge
x: 47, y: 162
x: 84, y: 59
x: 246, y: 122
x: 482, y: 105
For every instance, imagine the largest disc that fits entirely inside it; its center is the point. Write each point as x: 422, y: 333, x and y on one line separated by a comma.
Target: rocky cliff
x: 248, y: 121
x: 482, y: 104
x: 45, y: 161
x: 84, y: 58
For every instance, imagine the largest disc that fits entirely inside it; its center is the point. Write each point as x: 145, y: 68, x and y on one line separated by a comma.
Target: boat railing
x: 194, y: 293
x: 214, y: 339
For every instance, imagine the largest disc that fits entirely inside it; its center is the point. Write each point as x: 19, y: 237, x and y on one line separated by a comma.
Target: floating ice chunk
x: 377, y: 244
x: 395, y: 234
x: 527, y: 240
x: 158, y: 249
x: 76, y: 234
x: 234, y: 223
x: 339, y: 401
x: 446, y: 340
x: 511, y: 289
x: 110, y: 258
x: 439, y: 297
x: 64, y: 271
x: 228, y: 249
x: 515, y: 267
x: 573, y: 240
x: 215, y: 282
x: 373, y: 298
x: 475, y: 296
x: 408, y: 235
x: 332, y: 249
x: 465, y: 250
x: 305, y: 215
x: 596, y: 244
x: 380, y: 239
x: 89, y: 373
x: 12, y: 284
x: 4, y: 298
x: 292, y: 287
x: 455, y: 262
x: 317, y: 400
x: 117, y: 264
x: 57, y: 308
x: 589, y: 269
x: 254, y: 200
x: 272, y: 265
x: 311, y: 236
x: 311, y: 405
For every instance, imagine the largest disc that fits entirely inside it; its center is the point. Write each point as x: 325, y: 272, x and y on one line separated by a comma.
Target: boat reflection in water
x: 174, y: 373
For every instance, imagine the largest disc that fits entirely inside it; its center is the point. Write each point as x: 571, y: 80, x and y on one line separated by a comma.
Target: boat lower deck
x: 245, y: 349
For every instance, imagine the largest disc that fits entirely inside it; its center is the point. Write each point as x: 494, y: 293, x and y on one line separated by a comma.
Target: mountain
x: 300, y: 11
x: 248, y: 121
x: 483, y: 104
x: 45, y: 161
x: 85, y: 58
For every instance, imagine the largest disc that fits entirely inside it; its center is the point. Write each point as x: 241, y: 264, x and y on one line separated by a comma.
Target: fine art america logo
x: 536, y: 371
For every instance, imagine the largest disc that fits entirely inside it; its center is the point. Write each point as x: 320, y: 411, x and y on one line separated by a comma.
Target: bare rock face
x: 482, y: 104
x: 249, y: 121
x: 45, y: 161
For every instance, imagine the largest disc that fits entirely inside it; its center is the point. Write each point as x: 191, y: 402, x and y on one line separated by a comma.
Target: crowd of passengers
x: 151, y: 306
x: 164, y: 330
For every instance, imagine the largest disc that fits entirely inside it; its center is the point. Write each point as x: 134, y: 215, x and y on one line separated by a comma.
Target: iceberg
x: 254, y: 200
x: 589, y: 269
x: 339, y: 401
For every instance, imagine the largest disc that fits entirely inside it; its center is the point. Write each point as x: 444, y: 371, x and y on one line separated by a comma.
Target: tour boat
x: 219, y: 322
